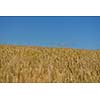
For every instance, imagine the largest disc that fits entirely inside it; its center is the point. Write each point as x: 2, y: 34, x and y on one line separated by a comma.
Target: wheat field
x: 27, y: 64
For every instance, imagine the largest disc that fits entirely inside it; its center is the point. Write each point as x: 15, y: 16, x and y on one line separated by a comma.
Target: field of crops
x: 49, y: 65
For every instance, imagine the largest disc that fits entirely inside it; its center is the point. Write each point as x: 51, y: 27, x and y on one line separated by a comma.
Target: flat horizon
x: 45, y: 46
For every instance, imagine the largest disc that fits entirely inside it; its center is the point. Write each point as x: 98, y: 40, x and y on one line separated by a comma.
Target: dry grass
x: 38, y: 64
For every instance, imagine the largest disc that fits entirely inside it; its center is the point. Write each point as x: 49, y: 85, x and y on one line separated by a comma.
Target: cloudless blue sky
x: 75, y: 32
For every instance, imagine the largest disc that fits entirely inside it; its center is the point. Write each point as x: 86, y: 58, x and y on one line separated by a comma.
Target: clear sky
x: 74, y: 32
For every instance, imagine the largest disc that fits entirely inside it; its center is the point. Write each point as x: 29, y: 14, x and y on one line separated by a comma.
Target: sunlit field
x: 48, y: 65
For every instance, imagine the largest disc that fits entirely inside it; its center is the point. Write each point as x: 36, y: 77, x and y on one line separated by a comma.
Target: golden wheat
x: 40, y: 64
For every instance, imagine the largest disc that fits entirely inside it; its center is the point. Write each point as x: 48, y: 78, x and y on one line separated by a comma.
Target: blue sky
x: 74, y: 32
